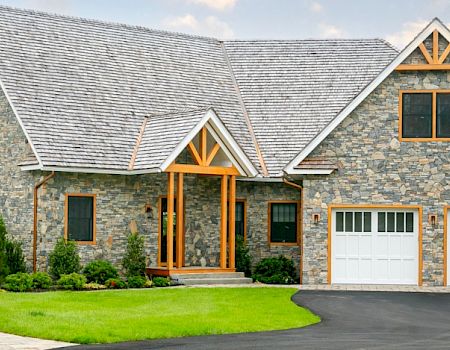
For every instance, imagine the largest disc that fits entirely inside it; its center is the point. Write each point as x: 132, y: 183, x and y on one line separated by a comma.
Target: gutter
x: 35, y: 212
x: 300, y: 189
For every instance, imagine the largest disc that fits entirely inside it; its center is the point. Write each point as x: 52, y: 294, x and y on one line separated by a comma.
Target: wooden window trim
x: 434, y: 93
x: 299, y: 224
x: 94, y: 217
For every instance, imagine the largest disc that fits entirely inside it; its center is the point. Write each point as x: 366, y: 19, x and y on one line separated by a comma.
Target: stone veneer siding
x: 375, y: 168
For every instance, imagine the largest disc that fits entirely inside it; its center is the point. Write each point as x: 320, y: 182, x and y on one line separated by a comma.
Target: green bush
x: 12, y: 259
x: 4, y: 271
x: 99, y: 271
x: 279, y: 270
x: 72, y: 281
x: 243, y: 258
x: 160, y: 282
x: 41, y: 280
x: 18, y: 282
x: 64, y: 259
x: 94, y: 286
x: 136, y: 282
x: 115, y: 283
x: 134, y: 260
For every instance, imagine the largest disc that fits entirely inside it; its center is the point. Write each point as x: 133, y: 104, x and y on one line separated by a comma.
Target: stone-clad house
x: 332, y: 152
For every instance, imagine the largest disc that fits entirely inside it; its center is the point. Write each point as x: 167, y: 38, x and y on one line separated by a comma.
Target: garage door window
x: 353, y: 221
x: 395, y: 222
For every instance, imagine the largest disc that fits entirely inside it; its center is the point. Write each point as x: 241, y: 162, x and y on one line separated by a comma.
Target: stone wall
x: 375, y: 168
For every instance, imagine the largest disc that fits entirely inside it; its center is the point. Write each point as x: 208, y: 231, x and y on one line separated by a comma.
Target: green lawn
x: 114, y: 316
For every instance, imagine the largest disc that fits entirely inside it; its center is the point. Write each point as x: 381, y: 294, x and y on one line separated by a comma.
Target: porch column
x: 170, y: 202
x: 223, y: 222
x: 180, y: 221
x: 231, y: 222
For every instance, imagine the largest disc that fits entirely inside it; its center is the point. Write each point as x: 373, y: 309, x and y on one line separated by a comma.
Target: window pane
x: 400, y: 222
x: 358, y: 221
x: 409, y: 222
x: 443, y: 115
x: 339, y: 221
x: 284, y: 226
x: 367, y: 222
x: 349, y: 222
x: 390, y: 222
x: 80, y: 224
x: 381, y: 222
x: 417, y: 115
x: 239, y: 222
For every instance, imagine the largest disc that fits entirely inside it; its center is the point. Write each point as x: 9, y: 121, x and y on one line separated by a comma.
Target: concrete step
x: 208, y: 275
x: 211, y: 281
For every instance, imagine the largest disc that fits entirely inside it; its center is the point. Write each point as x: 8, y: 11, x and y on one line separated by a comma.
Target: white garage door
x: 376, y: 246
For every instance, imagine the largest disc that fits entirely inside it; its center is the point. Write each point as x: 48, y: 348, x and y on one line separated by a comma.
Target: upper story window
x: 425, y: 115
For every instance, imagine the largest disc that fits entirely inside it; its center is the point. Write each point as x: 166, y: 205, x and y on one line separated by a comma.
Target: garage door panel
x: 377, y: 249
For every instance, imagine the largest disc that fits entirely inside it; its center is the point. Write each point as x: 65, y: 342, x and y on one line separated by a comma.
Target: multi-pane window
x: 239, y: 219
x: 357, y: 221
x: 395, y: 222
x: 80, y: 224
x: 283, y: 222
x: 425, y: 115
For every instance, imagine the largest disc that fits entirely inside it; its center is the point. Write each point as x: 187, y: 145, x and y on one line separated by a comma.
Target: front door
x: 163, y: 231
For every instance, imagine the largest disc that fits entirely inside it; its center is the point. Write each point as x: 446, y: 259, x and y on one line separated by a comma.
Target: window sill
x: 284, y: 244
x: 85, y: 242
x: 427, y: 139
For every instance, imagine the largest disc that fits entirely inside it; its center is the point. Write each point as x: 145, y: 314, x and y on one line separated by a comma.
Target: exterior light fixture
x: 316, y: 218
x: 432, y: 220
x: 149, y: 211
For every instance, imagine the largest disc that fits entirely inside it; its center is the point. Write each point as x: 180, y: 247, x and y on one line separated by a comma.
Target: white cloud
x: 220, y: 5
x: 329, y: 31
x: 316, y: 7
x: 55, y: 6
x: 209, y: 26
x: 409, y: 30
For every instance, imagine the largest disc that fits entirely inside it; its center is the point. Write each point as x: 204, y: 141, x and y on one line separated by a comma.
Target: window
x: 395, y: 222
x: 425, y: 115
x: 240, y: 219
x: 283, y: 222
x: 80, y: 218
x: 350, y: 221
x: 163, y: 230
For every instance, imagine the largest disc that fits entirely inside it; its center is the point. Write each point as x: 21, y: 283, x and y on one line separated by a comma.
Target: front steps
x: 210, y: 278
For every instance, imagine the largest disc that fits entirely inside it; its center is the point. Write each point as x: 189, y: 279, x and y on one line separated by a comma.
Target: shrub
x: 136, y: 282
x: 160, y: 282
x: 99, y: 271
x: 279, y: 270
x: 148, y: 284
x: 41, y: 280
x: 134, y: 260
x: 94, y: 286
x: 243, y: 258
x: 12, y: 259
x: 64, y: 259
x: 115, y: 283
x: 19, y: 282
x: 4, y: 271
x: 72, y: 281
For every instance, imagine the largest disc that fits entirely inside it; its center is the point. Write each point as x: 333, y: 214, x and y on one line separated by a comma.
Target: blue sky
x: 395, y: 20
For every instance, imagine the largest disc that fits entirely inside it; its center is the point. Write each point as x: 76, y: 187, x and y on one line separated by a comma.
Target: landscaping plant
x: 72, y: 281
x: 136, y: 282
x: 243, y: 258
x: 160, y: 282
x: 94, y: 286
x: 41, y: 280
x: 134, y: 260
x: 99, y: 271
x: 64, y: 259
x: 12, y: 259
x: 279, y: 270
x: 115, y: 283
x: 19, y: 282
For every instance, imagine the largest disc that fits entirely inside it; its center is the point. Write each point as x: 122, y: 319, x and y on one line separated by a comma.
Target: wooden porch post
x: 223, y: 222
x: 180, y: 221
x: 231, y: 221
x: 170, y: 202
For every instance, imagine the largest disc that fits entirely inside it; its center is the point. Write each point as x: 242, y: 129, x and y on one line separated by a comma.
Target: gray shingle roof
x: 292, y: 89
x: 82, y: 87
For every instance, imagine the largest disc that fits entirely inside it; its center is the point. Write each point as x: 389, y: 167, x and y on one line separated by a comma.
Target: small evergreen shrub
x: 160, y: 282
x: 243, y: 258
x: 94, y: 286
x: 64, y: 259
x: 41, y: 280
x: 136, y: 282
x: 99, y: 271
x: 148, y: 283
x: 72, y: 281
x: 115, y: 283
x: 18, y: 282
x: 12, y: 259
x: 134, y: 260
x: 279, y: 270
x: 4, y: 270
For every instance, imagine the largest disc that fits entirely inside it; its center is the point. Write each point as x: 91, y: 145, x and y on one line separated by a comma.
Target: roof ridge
x: 182, y: 110
x: 105, y: 22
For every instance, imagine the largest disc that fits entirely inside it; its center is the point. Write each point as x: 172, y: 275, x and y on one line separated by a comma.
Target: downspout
x: 300, y: 189
x: 35, y: 212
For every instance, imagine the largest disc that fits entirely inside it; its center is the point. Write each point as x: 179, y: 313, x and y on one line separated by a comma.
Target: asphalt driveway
x: 350, y: 320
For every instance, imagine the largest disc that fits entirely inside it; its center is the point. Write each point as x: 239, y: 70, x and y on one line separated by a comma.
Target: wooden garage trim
x: 376, y: 206
x: 445, y: 245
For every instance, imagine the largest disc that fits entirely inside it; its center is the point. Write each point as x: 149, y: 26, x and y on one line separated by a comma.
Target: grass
x: 122, y: 315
